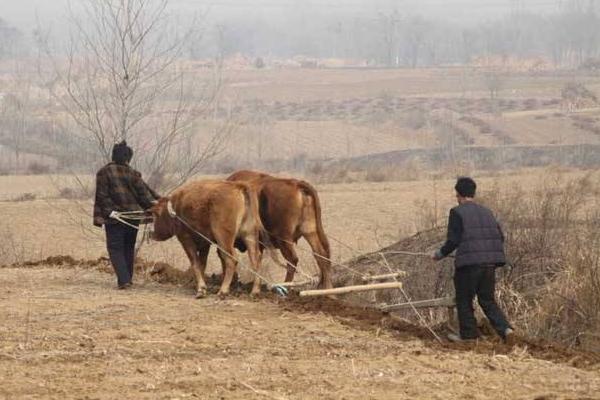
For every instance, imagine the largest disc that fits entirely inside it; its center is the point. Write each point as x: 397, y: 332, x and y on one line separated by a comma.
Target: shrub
x: 259, y: 63
x: 25, y: 197
x: 37, y: 168
x: 416, y: 118
x: 552, y: 289
x: 75, y: 194
x: 321, y: 173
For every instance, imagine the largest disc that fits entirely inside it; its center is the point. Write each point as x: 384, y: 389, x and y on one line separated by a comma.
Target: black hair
x: 465, y: 187
x: 121, y: 153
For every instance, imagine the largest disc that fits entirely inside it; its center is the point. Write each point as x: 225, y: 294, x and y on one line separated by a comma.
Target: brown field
x: 67, y: 333
x: 346, y: 113
x: 335, y: 84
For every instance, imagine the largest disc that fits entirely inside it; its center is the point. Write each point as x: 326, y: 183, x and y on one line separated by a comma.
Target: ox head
x: 164, y: 223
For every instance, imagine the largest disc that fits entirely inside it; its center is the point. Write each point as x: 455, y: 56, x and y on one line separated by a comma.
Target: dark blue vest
x: 482, y: 242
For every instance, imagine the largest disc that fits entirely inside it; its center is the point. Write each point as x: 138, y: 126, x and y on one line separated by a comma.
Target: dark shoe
x: 458, y: 339
x: 125, y: 286
x: 509, y: 337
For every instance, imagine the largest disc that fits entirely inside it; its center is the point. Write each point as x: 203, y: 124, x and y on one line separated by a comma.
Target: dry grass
x: 552, y: 289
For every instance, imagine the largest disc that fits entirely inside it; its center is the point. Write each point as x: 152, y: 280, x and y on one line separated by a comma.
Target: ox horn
x: 170, y: 209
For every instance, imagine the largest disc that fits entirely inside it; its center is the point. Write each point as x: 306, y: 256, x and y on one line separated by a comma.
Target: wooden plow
x: 296, y: 284
x: 448, y: 302
x: 351, y: 289
x: 384, y: 277
x: 371, y: 283
x: 383, y: 282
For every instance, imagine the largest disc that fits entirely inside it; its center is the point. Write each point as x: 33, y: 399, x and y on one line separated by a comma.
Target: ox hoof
x: 201, y: 293
x: 222, y: 295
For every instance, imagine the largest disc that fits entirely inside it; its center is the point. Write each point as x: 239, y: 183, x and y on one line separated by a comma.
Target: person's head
x: 465, y: 189
x: 121, y: 153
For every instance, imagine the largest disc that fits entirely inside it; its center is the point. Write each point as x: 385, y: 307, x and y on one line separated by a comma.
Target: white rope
x: 419, y: 315
x: 355, y: 253
x: 312, y: 278
x: 121, y: 220
x: 410, y: 253
x: 352, y: 270
x: 121, y: 216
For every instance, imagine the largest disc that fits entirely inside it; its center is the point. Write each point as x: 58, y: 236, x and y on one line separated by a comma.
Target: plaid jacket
x: 120, y: 188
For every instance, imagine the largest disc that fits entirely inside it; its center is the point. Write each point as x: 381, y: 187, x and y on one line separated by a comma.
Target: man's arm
x: 454, y: 236
x: 153, y: 192
x: 143, y: 193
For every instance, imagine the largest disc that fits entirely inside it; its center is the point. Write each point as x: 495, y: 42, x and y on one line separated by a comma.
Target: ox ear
x: 170, y: 209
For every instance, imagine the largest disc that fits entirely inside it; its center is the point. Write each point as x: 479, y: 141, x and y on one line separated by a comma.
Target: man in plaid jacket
x: 120, y: 188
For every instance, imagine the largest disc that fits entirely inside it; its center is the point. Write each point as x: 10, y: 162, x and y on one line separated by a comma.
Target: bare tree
x: 16, y: 120
x: 389, y: 25
x: 11, y: 39
x: 13, y: 125
x: 123, y: 78
x: 415, y: 33
x: 494, y: 79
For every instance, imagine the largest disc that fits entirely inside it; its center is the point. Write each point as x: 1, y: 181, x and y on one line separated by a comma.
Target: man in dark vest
x: 479, y: 243
x: 121, y: 188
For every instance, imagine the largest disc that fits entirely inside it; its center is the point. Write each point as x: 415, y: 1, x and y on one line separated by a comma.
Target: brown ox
x: 290, y: 209
x: 223, y: 212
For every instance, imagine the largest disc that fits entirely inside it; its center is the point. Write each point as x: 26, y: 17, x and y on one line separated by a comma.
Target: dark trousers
x: 120, y: 242
x: 477, y: 281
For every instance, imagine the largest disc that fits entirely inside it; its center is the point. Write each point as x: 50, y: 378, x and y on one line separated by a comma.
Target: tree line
x: 397, y: 38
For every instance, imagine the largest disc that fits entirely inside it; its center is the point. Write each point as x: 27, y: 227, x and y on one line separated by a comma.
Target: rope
x: 121, y: 220
x: 121, y: 216
x: 390, y: 269
x: 355, y: 253
x: 135, y: 215
x: 282, y: 291
x: 410, y: 253
x: 419, y: 315
x: 296, y: 268
x: 352, y: 270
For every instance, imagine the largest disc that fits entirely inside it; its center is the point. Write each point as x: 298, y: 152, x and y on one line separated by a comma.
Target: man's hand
x: 113, y: 214
x: 437, y: 255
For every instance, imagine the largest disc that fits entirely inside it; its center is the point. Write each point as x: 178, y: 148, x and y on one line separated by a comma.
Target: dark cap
x: 121, y: 153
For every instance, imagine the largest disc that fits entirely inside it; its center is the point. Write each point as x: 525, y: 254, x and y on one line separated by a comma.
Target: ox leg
x: 255, y: 256
x: 189, y: 245
x: 289, y: 253
x: 322, y: 259
x: 203, y: 260
x: 229, y: 266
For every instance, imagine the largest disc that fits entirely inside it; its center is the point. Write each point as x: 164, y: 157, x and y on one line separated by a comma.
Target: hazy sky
x: 22, y: 13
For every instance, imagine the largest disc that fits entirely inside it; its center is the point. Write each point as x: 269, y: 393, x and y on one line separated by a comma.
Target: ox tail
x: 312, y: 192
x: 251, y: 196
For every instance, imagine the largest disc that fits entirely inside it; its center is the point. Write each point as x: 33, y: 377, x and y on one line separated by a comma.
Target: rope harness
x: 122, y: 216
